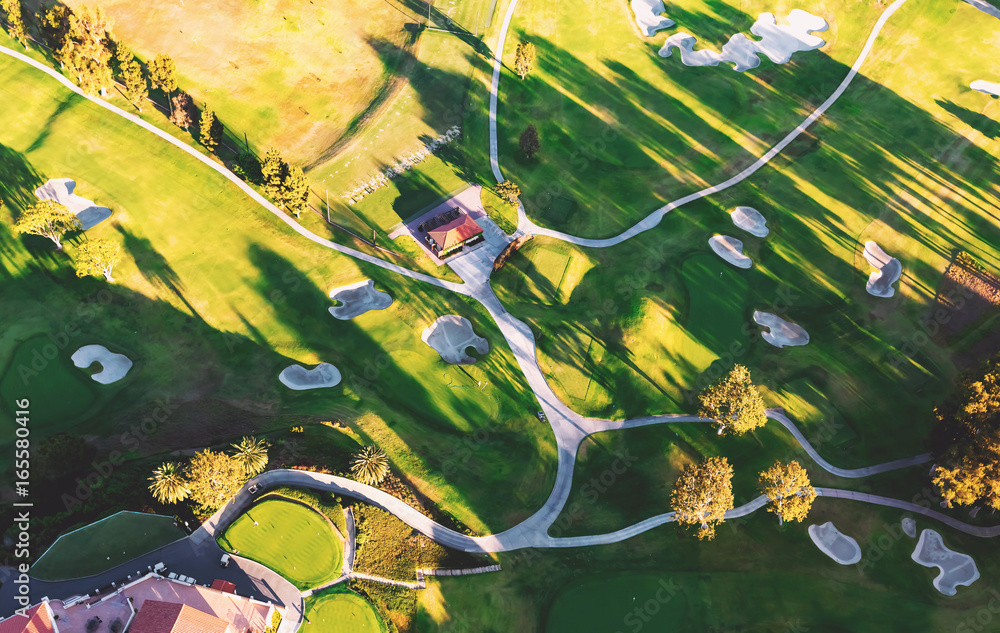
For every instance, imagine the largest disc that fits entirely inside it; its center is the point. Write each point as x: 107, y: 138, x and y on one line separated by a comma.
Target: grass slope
x: 214, y: 299
x: 105, y: 544
x: 293, y: 540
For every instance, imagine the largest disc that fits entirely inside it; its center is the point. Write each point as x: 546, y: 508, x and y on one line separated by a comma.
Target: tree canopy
x: 163, y: 75
x: 524, y: 58
x: 529, y: 142
x: 86, y: 49
x: 14, y: 14
x: 135, y: 83
x: 702, y: 495
x: 180, y: 111
x: 169, y: 483
x: 788, y: 491
x: 209, y: 127
x: 214, y: 478
x: 734, y: 403
x: 98, y: 257
x: 370, y: 465
x: 509, y: 192
x: 49, y: 219
x: 295, y: 191
x: 966, y: 440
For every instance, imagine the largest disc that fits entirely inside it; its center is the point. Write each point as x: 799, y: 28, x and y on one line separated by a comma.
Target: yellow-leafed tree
x: 789, y: 493
x: 702, y: 495
x: 734, y: 403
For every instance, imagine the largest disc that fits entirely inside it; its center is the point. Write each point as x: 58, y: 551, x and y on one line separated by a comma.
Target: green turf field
x: 58, y: 391
x: 293, y: 540
x: 339, y: 611
x: 217, y: 298
x: 105, y: 544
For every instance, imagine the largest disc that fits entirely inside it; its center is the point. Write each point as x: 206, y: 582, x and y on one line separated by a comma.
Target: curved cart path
x: 525, y: 225
x: 236, y: 180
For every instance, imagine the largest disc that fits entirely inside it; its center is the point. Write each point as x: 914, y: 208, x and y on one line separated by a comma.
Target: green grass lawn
x: 215, y: 298
x: 293, y: 540
x: 59, y: 392
x: 339, y: 611
x: 105, y: 544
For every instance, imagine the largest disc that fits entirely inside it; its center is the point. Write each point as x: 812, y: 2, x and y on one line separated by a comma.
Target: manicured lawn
x: 216, y: 299
x: 339, y: 611
x: 59, y: 392
x: 293, y: 540
x: 105, y: 544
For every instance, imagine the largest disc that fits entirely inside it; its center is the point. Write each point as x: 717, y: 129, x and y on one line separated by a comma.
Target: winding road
x: 569, y: 427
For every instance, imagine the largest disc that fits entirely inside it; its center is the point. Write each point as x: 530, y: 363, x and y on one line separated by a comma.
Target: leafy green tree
x: 370, y: 465
x: 789, y: 492
x: 135, y: 84
x: 734, y: 403
x: 49, y: 219
x: 529, y: 142
x: 163, y: 76
x: 295, y: 191
x: 209, y: 127
x: 273, y: 171
x: 251, y: 453
x: 180, y: 111
x: 702, y: 495
x: 214, y: 478
x: 247, y: 167
x: 98, y: 257
x: 508, y: 192
x: 88, y: 49
x: 14, y: 14
x: 524, y: 58
x: 54, y: 25
x: 169, y: 483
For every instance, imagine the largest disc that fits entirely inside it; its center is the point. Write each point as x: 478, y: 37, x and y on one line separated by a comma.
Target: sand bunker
x: 750, y: 220
x: 888, y: 270
x: 299, y: 378
x: 61, y: 190
x: 731, y: 250
x: 451, y: 335
x: 956, y: 569
x: 988, y: 87
x: 778, y: 41
x: 910, y: 527
x: 837, y: 546
x: 113, y: 366
x: 647, y: 16
x: 783, y: 333
x: 357, y: 299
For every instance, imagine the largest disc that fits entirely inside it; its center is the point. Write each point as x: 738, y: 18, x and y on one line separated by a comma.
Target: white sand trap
x: 647, y: 16
x: 783, y: 333
x: 357, y: 299
x: 451, y: 335
x: 988, y: 87
x: 839, y: 547
x: 910, y: 527
x: 299, y: 378
x: 778, y: 41
x: 731, y: 250
x: 956, y: 569
x: 61, y: 190
x: 113, y: 366
x: 888, y: 270
x: 750, y: 220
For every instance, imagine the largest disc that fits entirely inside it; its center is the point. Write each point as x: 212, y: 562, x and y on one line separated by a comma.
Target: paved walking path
x: 650, y: 221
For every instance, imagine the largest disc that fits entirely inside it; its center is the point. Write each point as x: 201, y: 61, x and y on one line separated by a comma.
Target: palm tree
x: 251, y: 453
x: 370, y: 465
x: 169, y: 484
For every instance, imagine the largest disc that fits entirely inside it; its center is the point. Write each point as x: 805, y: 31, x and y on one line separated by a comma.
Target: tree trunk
x: 107, y: 275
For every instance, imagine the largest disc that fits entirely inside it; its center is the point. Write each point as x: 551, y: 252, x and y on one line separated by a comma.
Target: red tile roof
x: 36, y: 621
x: 224, y: 586
x: 170, y: 617
x: 455, y: 232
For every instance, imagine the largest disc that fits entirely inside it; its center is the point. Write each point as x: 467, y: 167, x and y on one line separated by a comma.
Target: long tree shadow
x: 153, y: 266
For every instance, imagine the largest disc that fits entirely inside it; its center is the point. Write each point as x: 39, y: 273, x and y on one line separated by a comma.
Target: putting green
x: 102, y: 545
x: 340, y: 613
x: 293, y: 540
x: 41, y: 372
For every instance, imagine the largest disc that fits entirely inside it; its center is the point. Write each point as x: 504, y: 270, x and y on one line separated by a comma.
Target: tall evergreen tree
x: 295, y: 191
x: 272, y: 171
x: 135, y: 84
x: 209, y: 126
x: 163, y: 76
